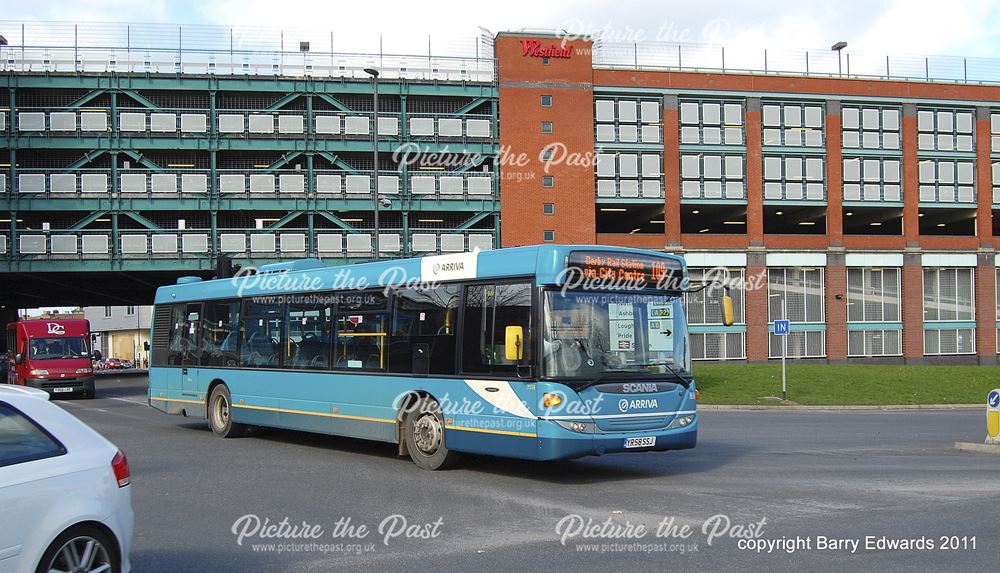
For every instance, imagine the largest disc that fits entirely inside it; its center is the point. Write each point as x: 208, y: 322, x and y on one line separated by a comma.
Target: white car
x: 64, y: 490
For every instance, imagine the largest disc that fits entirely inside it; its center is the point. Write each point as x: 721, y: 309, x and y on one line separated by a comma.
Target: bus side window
x: 423, y: 330
x: 489, y: 310
x: 261, y: 334
x: 361, y: 323
x: 220, y: 333
x: 307, y: 345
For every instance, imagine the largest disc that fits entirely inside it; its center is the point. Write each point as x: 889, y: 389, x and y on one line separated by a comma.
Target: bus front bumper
x: 556, y: 442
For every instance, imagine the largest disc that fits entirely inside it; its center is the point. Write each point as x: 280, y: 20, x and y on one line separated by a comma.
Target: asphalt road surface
x: 763, y: 490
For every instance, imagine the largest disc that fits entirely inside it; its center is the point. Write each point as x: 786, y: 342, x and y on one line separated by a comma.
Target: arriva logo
x: 56, y: 328
x: 625, y: 404
x: 448, y: 267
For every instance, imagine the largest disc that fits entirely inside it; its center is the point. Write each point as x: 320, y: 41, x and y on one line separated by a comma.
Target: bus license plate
x: 643, y: 442
x: 62, y: 389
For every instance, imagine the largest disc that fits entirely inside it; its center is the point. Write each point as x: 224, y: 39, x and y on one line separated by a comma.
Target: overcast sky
x: 965, y: 28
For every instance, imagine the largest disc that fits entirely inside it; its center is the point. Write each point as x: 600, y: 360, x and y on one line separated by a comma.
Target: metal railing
x: 821, y: 62
x: 191, y: 49
x: 238, y: 243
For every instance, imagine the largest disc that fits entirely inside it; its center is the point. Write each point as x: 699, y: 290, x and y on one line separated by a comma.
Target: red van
x: 53, y: 355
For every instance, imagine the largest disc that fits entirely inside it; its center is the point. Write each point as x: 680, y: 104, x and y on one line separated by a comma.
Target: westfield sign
x: 533, y: 48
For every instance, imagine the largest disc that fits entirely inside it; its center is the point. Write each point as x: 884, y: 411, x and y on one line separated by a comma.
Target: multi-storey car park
x: 857, y: 203
x: 125, y: 168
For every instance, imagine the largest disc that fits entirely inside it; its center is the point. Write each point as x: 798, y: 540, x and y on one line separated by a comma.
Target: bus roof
x: 543, y: 262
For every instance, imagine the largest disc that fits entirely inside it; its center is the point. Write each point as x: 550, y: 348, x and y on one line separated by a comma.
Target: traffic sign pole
x: 784, y: 377
x: 782, y: 328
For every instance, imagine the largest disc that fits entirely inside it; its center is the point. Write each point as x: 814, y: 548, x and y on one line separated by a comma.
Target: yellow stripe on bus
x: 308, y: 413
x: 348, y: 417
x: 199, y: 402
x: 485, y: 431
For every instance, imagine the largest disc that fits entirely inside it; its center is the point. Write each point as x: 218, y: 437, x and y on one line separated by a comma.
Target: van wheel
x: 220, y: 414
x: 424, y: 430
x: 81, y: 548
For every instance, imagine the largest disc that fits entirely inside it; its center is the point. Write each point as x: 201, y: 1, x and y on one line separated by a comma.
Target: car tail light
x: 120, y: 465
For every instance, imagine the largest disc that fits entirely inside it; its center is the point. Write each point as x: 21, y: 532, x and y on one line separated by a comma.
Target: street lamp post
x: 837, y: 48
x: 374, y: 74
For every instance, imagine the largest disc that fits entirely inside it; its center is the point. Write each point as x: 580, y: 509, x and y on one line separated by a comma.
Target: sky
x: 925, y: 27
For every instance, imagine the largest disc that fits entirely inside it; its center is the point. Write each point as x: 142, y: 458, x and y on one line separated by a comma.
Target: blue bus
x: 543, y: 352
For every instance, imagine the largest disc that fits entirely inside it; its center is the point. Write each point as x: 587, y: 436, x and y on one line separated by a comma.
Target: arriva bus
x: 53, y: 355
x: 542, y: 353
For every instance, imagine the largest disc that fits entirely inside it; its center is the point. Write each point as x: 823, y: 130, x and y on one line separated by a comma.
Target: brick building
x: 860, y: 209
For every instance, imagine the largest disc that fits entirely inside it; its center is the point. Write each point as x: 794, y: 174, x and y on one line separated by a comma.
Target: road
x: 772, y: 475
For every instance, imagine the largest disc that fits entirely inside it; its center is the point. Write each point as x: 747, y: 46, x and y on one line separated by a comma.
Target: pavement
x: 764, y: 490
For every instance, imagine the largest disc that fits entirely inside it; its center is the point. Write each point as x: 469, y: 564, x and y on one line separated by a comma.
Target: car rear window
x: 22, y: 440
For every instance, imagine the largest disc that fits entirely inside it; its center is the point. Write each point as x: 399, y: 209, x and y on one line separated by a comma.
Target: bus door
x: 191, y: 343
x: 183, y: 354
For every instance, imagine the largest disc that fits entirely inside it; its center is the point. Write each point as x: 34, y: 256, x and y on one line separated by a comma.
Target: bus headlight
x: 681, y: 422
x: 84, y: 371
x: 38, y: 372
x: 579, y: 427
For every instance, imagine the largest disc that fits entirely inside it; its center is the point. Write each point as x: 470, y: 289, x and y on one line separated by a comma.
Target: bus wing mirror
x: 514, y: 343
x: 18, y: 358
x: 728, y: 315
x: 97, y: 355
x: 145, y: 345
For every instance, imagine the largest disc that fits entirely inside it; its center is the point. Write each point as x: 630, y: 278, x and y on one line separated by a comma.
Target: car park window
x: 22, y: 440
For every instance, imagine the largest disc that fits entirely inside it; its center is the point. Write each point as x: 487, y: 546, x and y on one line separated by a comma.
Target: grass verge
x: 845, y: 384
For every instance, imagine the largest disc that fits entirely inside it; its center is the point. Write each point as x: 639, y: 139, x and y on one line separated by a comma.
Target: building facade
x: 860, y: 209
x: 121, y: 331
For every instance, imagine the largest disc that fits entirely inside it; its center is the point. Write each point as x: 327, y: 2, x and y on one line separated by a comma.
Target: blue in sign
x: 782, y: 327
x: 994, y: 399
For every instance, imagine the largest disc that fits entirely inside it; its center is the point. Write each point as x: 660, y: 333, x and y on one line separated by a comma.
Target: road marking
x: 139, y: 402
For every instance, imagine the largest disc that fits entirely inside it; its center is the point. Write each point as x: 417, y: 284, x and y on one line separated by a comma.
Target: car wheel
x: 83, y: 548
x: 424, y: 431
x: 220, y: 411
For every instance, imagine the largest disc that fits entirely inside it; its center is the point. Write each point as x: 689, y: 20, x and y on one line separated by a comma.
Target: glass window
x: 190, y: 335
x: 546, y: 127
x: 548, y: 236
x: 424, y: 324
x: 220, y: 330
x: 948, y: 294
x: 310, y: 328
x: 546, y: 101
x: 587, y: 335
x: 489, y: 310
x: 361, y: 322
x: 703, y: 306
x: 548, y: 209
x: 55, y: 348
x: 261, y: 333
x: 22, y: 440
x: 176, y: 344
x: 873, y: 294
x: 548, y: 181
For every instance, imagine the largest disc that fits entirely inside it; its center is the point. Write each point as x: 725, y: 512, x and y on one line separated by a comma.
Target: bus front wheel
x: 220, y: 414
x: 424, y: 432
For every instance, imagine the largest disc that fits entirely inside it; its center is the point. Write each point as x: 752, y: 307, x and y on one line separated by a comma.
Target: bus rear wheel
x: 424, y: 433
x: 220, y: 414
